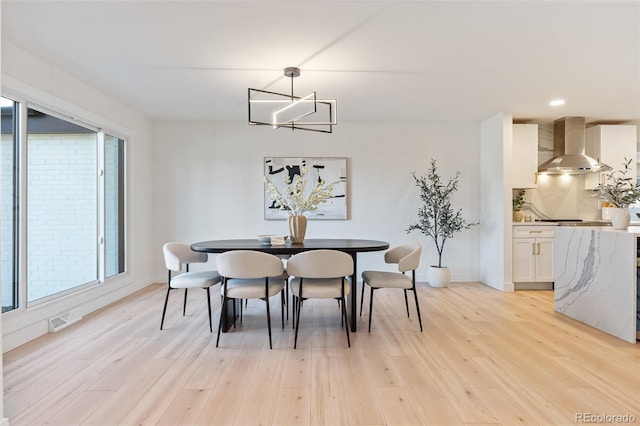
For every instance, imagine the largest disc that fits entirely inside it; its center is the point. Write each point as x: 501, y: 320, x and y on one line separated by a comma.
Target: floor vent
x: 61, y: 321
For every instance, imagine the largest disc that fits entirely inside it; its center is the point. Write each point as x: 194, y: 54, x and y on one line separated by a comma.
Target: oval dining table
x: 347, y: 245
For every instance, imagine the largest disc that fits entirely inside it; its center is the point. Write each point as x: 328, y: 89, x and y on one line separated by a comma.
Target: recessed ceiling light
x: 557, y: 102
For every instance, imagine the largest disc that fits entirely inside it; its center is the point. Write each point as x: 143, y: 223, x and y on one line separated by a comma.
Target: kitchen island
x: 596, y: 270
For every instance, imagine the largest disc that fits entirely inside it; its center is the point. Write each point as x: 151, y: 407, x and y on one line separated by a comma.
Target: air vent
x: 61, y: 321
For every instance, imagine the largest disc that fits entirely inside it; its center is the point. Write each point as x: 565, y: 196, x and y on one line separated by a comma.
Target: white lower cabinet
x: 533, y: 254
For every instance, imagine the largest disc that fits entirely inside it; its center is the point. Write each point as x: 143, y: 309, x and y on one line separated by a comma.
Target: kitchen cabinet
x: 533, y: 254
x: 610, y: 144
x: 524, y: 163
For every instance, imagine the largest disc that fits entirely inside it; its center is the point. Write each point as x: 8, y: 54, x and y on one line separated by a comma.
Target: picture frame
x: 328, y: 169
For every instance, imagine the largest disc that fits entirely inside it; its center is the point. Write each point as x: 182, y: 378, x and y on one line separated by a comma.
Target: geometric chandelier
x: 289, y: 111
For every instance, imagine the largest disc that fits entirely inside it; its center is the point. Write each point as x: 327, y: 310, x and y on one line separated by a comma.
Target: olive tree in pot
x: 437, y: 218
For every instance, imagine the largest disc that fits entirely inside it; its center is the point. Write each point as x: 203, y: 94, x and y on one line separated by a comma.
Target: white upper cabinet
x: 610, y: 144
x: 525, y: 155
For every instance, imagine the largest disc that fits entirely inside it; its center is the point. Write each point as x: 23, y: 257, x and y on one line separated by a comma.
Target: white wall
x: 24, y: 75
x: 495, y: 179
x: 209, y: 183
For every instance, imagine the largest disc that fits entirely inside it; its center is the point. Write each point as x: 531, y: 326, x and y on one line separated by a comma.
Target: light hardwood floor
x: 485, y: 357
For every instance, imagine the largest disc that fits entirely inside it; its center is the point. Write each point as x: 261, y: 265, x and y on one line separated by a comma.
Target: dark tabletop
x: 343, y: 244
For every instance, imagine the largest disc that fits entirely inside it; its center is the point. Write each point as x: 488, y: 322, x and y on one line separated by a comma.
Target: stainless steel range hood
x: 568, y: 150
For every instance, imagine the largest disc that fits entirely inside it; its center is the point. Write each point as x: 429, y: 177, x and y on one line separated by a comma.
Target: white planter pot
x: 439, y: 277
x: 620, y: 218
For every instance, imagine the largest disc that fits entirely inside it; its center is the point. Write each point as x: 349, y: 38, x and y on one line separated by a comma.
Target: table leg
x: 353, y: 294
x: 231, y: 307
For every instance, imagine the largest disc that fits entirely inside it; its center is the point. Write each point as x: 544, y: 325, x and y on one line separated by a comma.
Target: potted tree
x: 437, y: 219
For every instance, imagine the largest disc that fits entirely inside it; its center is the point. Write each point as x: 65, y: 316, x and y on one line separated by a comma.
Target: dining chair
x: 320, y: 274
x: 407, y: 257
x: 177, y: 256
x: 248, y: 274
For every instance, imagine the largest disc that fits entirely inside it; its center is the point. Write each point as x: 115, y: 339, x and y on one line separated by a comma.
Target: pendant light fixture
x: 289, y: 111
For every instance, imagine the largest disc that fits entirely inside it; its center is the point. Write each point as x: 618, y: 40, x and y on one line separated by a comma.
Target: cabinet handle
x: 538, y: 248
x: 535, y: 232
x: 533, y: 249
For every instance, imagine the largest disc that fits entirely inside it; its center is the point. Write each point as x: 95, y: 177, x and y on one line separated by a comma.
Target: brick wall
x: 61, y: 213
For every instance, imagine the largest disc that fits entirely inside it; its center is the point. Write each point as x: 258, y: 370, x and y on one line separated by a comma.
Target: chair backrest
x: 320, y: 264
x: 248, y: 264
x: 407, y: 256
x: 178, y: 254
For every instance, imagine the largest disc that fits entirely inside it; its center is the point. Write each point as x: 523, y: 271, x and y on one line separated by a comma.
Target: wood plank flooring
x: 484, y: 358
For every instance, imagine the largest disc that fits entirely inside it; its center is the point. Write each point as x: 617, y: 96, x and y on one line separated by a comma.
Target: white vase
x: 620, y: 218
x: 439, y: 277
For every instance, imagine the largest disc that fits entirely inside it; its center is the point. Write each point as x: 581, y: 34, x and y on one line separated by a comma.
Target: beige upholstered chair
x: 407, y: 257
x: 320, y: 274
x: 248, y: 274
x: 177, y: 256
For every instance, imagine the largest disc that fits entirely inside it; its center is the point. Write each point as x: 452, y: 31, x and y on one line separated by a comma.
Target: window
x: 114, y: 205
x: 8, y: 206
x: 73, y: 205
x: 62, y: 205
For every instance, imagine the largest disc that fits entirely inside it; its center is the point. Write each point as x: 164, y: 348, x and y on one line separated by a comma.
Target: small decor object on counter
x: 607, y: 210
x: 437, y: 218
x: 274, y: 240
x: 518, y: 201
x: 621, y: 191
x: 295, y: 199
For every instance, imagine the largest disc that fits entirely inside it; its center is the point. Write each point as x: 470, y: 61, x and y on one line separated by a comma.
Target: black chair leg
x: 164, y: 310
x: 295, y: 340
x: 286, y: 296
x: 344, y: 315
x: 361, y: 297
x: 268, y: 321
x: 233, y: 304
x: 415, y: 294
x: 406, y: 302
x: 370, y: 308
x: 209, y: 306
x: 294, y: 307
x: 184, y: 306
x: 224, y: 301
x: 282, y: 308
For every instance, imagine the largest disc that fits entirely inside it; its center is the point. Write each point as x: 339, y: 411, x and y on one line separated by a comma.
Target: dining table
x: 347, y: 245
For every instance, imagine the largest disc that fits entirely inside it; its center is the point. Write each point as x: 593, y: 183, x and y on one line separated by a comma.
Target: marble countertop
x: 595, y: 270
x: 634, y: 228
x: 604, y: 222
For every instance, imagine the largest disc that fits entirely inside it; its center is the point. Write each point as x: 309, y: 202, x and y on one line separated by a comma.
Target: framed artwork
x: 330, y: 169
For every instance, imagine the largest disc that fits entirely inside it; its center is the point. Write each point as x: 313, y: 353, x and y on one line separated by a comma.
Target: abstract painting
x: 330, y: 169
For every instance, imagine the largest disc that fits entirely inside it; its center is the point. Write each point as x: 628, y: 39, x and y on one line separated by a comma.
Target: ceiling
x: 422, y: 61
